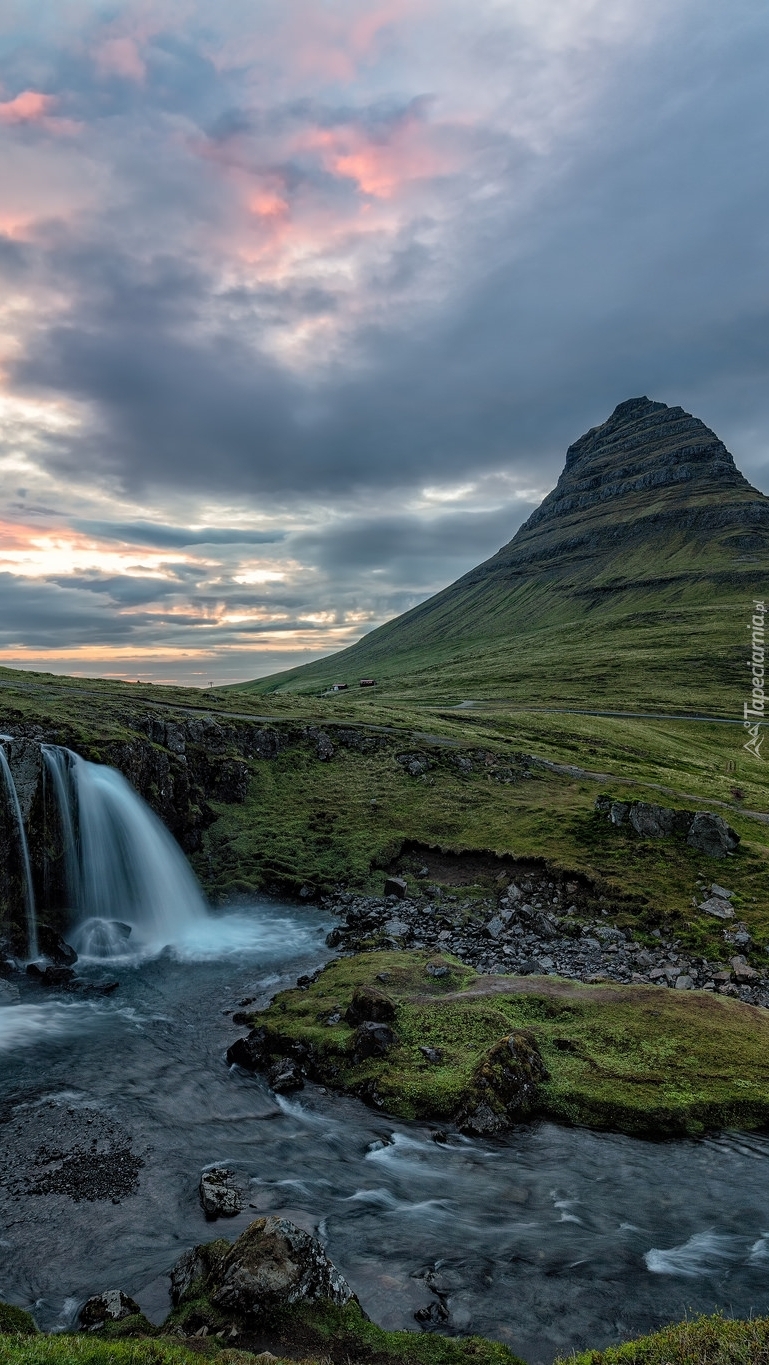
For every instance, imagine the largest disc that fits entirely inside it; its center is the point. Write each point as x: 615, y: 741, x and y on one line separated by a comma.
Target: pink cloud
x: 380, y: 165
x: 31, y: 106
x: 120, y: 57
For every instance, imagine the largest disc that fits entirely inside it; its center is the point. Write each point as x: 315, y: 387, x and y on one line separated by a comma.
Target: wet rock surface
x: 534, y: 926
x: 83, y: 1155
x: 220, y: 1193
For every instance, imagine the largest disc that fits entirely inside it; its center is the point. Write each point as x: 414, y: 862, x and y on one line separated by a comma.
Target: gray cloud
x: 170, y: 537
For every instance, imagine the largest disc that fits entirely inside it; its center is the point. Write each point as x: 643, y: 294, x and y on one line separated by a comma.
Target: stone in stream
x: 273, y: 1264
x: 285, y: 1076
x: 111, y: 1306
x: 219, y: 1194
x: 251, y: 1052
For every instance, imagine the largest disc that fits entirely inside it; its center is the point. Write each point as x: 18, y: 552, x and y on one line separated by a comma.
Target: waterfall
x: 126, y: 874
x: 29, y: 892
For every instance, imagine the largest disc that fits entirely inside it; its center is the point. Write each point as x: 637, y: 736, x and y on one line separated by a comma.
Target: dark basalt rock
x: 284, y: 1076
x: 372, y: 1040
x: 56, y: 948
x: 703, y: 830
x: 219, y: 1193
x: 369, y: 1005
x: 504, y: 1085
x: 251, y: 1052
x: 711, y: 834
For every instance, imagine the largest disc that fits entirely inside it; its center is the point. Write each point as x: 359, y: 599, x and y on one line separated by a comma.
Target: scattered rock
x: 744, y: 974
x: 369, y: 1005
x: 432, y: 1054
x: 219, y: 1193
x: 710, y: 834
x: 48, y: 975
x: 56, y: 948
x: 684, y: 983
x: 324, y: 748
x: 716, y: 905
x: 111, y: 1306
x: 285, y: 1076
x: 396, y: 886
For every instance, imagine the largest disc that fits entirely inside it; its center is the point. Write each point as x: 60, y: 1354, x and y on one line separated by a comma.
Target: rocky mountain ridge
x: 650, y: 523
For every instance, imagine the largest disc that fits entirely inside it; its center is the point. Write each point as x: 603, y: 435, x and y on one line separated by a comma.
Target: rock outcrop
x: 272, y: 1265
x: 703, y: 830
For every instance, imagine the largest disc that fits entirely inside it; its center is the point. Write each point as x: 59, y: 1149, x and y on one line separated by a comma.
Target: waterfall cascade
x: 125, y: 875
x: 29, y: 891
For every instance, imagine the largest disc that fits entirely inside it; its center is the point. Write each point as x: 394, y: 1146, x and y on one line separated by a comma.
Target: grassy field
x: 530, y: 792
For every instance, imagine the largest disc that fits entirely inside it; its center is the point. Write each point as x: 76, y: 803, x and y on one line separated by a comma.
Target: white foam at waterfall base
x: 131, y: 872
x: 263, y: 932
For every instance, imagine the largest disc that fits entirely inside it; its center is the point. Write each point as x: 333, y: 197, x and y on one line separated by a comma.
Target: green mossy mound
x: 16, y: 1320
x: 704, y: 1341
x: 635, y: 1059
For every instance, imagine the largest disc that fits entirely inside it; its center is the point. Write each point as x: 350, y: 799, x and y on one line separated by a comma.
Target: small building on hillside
x: 368, y: 682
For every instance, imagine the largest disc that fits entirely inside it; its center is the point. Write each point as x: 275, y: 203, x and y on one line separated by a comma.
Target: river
x: 551, y: 1240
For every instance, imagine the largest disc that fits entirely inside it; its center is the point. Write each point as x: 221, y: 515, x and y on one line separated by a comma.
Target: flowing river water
x: 550, y: 1240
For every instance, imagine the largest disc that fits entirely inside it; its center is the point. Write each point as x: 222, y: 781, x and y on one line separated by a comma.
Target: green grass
x: 636, y: 1059
x: 703, y: 1341
x: 65, y: 1349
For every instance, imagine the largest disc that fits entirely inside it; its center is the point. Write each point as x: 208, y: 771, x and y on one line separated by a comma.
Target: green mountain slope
x: 630, y: 587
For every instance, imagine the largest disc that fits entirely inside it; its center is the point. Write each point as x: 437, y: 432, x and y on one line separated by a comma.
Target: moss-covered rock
x: 636, y: 1059
x: 16, y: 1320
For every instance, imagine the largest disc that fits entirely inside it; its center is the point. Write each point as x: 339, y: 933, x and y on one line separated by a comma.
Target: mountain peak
x: 647, y: 460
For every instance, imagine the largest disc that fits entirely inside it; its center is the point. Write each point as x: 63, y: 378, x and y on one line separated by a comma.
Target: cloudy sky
x: 303, y: 300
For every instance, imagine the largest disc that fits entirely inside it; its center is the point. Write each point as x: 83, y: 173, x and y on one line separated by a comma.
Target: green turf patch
x: 704, y: 1341
x: 634, y: 1059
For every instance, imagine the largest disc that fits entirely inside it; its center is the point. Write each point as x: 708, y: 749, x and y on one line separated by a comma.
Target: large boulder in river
x: 273, y: 1264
